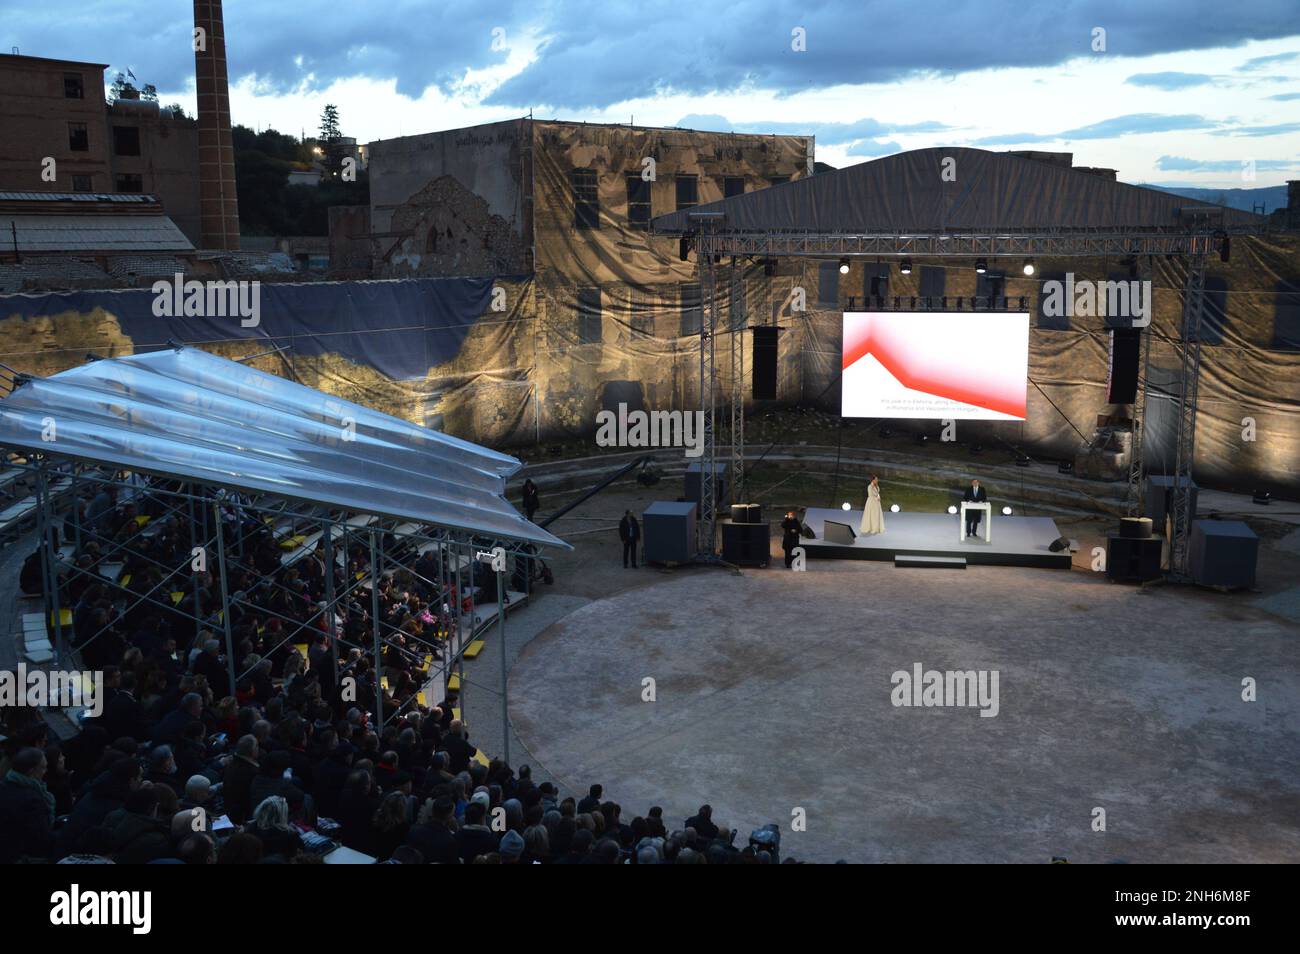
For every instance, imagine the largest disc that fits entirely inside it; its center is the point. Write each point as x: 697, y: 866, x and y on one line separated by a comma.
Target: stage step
x: 931, y: 562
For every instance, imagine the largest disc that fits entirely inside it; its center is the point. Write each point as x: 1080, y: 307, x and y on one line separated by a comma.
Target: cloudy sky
x: 1194, y: 92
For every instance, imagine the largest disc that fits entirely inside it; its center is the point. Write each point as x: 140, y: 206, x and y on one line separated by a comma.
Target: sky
x: 1168, y: 92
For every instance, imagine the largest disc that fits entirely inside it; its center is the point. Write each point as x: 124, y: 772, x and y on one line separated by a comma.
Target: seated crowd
x: 287, y: 764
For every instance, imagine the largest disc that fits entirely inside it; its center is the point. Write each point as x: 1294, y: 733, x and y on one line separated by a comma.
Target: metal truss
x: 1010, y: 243
x: 220, y: 525
x: 1188, y: 349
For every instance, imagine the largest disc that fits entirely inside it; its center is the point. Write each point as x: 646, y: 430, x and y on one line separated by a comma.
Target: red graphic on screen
x: 943, y: 356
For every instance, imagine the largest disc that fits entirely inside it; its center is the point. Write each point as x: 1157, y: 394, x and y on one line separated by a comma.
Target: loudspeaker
x: 765, y: 363
x: 1135, y: 528
x: 1132, y: 558
x: 746, y: 544
x: 840, y: 533
x: 669, y: 531
x: 1125, y: 350
x: 1059, y: 544
x: 1223, y: 553
x: 746, y: 513
x: 1159, y: 492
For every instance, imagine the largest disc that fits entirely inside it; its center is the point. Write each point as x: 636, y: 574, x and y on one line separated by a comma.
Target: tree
x: 331, y: 137
x: 329, y: 122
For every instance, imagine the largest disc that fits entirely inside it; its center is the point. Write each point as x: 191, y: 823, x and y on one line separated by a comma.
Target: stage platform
x: 1016, y: 541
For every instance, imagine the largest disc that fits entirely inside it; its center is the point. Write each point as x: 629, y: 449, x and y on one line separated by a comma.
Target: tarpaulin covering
x: 936, y: 190
x: 188, y: 414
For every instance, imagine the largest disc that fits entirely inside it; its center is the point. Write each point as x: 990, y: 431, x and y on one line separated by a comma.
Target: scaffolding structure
x: 1202, y: 233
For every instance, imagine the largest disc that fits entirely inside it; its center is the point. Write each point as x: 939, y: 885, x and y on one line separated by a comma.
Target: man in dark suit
x: 974, y: 494
x: 629, y: 531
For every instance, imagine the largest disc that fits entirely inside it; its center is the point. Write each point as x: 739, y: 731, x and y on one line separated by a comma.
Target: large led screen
x: 940, y: 365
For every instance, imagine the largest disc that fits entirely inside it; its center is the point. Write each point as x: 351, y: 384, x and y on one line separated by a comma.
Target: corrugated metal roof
x: 122, y: 198
x: 87, y: 233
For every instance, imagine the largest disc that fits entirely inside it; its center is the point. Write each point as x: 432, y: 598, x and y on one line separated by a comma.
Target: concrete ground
x: 773, y: 694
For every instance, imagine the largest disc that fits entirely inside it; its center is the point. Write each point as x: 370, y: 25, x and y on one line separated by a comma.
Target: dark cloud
x: 1268, y: 62
x: 1170, y: 80
x: 1132, y: 124
x: 598, y: 54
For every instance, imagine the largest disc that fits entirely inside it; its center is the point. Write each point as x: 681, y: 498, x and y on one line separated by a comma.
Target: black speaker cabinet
x: 669, y: 531
x: 746, y: 544
x: 1133, y: 559
x: 1159, y: 492
x: 1223, y: 553
x: 1125, y: 350
x: 695, y: 470
x: 764, y: 373
x: 746, y: 513
x: 1135, y: 528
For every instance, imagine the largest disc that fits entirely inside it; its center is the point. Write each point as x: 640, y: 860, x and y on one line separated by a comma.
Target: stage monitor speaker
x: 1125, y: 351
x: 746, y: 544
x: 840, y: 533
x: 747, y: 513
x: 1223, y: 553
x: 1059, y: 544
x: 1135, y: 528
x: 1133, y: 559
x: 764, y: 375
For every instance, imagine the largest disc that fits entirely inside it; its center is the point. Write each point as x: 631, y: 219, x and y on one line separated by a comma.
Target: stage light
x: 905, y: 267
x: 981, y: 266
x: 844, y: 266
x: 1029, y: 266
x: 1006, y: 511
x: 952, y: 510
x: 845, y: 506
x: 1065, y: 467
x: 1261, y: 497
x: 894, y: 508
x: 1022, y: 460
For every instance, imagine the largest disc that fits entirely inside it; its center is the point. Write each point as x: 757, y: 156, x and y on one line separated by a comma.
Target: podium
x: 987, y: 508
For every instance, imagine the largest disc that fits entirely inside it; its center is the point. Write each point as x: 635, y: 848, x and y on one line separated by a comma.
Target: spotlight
x: 905, y: 267
x: 886, y: 432
x: 1065, y: 467
x: 1029, y: 266
x: 981, y: 266
x: 1022, y: 460
x: 1261, y: 497
x: 952, y: 509
x: 844, y: 266
x: 1006, y: 511
x: 845, y: 506
x: 921, y: 438
x: 894, y: 508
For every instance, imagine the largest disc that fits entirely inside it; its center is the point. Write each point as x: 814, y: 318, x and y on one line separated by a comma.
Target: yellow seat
x: 453, y: 683
x: 177, y: 596
x: 293, y: 542
x: 383, y: 683
x: 125, y: 579
x: 419, y: 698
x: 302, y: 649
x: 141, y: 520
x: 474, y: 648
x: 481, y: 759
x: 65, y: 617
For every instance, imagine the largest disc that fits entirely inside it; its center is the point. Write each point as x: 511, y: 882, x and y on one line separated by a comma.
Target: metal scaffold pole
x: 1189, y: 351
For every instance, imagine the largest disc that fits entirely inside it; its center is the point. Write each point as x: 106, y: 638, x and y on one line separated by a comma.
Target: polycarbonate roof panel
x: 189, y: 414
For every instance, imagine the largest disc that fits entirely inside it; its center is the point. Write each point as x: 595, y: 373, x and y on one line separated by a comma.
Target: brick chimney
x: 218, y: 203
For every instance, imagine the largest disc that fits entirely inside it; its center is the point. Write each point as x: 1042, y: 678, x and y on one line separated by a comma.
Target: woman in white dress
x: 873, y: 517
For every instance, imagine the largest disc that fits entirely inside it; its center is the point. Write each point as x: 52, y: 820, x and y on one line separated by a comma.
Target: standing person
x: 790, y: 528
x: 629, y: 531
x: 974, y: 494
x: 532, y: 500
x: 873, y: 517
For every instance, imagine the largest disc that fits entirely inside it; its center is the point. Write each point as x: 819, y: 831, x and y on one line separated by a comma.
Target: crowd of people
x: 289, y: 764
